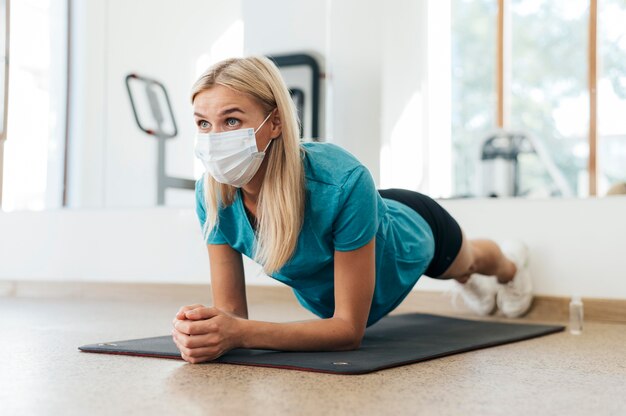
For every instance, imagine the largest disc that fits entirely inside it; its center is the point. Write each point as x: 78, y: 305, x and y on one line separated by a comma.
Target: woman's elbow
x: 356, y: 343
x: 349, y: 335
x: 353, y: 340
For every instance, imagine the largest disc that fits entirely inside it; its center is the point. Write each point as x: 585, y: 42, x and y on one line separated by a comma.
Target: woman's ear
x: 277, y: 125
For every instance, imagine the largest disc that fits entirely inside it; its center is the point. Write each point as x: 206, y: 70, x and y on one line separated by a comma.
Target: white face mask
x: 231, y: 157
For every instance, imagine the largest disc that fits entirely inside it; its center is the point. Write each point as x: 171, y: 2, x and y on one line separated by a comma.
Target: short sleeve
x: 357, y: 219
x: 215, y: 236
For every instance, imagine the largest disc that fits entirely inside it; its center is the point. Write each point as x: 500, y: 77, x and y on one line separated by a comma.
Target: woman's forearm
x: 332, y: 334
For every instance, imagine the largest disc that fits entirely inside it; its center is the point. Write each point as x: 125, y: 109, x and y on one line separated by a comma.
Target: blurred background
x: 453, y: 98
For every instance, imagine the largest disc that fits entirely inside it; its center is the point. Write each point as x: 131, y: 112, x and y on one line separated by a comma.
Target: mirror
x: 410, y: 91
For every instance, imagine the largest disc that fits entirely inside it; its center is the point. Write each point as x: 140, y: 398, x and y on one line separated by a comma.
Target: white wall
x: 302, y: 28
x: 284, y: 26
x: 404, y: 120
x: 87, y: 127
x: 576, y: 245
x: 354, y: 74
x: 346, y: 38
x: 112, y: 162
x: 377, y: 78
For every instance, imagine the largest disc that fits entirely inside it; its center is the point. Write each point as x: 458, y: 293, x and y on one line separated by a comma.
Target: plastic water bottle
x: 576, y: 315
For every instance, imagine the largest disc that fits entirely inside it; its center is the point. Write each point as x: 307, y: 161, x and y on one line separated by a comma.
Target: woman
x: 310, y: 214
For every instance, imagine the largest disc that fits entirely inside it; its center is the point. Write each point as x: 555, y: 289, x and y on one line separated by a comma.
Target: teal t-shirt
x: 343, y: 211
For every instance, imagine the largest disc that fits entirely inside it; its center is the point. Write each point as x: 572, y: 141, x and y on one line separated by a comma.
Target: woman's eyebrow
x: 223, y: 112
x: 230, y: 111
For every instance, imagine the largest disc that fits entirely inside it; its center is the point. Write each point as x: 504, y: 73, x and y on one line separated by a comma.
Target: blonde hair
x: 280, y: 206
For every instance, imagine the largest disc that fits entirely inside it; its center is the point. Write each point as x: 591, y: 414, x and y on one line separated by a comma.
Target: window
x: 611, y: 94
x: 549, y: 100
x: 473, y: 100
x: 525, y: 72
x: 33, y: 162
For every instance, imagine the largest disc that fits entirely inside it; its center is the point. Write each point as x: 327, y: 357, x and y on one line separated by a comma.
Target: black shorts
x: 446, y: 230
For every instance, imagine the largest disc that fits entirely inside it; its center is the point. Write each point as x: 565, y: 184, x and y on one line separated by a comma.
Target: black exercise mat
x: 393, y: 341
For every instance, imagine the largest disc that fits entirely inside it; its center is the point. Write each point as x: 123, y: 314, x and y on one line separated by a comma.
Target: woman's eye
x: 203, y: 124
x: 232, y: 122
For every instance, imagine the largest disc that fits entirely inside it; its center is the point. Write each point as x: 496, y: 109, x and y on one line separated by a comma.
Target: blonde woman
x: 310, y: 214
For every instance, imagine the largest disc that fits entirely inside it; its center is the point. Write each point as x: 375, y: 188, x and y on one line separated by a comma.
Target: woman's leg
x: 485, y: 258
x: 456, y: 257
x: 480, y: 256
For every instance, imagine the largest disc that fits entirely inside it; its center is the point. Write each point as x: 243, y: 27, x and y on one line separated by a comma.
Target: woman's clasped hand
x: 204, y: 333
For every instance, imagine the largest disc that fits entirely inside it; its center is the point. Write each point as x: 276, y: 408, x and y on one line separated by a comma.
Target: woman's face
x: 221, y: 109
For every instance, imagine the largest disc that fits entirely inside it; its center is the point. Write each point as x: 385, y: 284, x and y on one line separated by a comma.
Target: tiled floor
x: 42, y: 372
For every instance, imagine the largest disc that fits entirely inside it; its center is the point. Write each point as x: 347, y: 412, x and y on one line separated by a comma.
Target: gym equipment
x: 154, y: 116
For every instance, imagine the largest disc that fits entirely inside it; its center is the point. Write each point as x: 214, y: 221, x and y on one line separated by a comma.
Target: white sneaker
x: 515, y: 297
x: 478, y: 293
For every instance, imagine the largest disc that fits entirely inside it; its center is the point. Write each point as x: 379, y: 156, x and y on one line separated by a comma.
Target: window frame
x: 57, y: 197
x: 502, y: 66
x: 6, y: 7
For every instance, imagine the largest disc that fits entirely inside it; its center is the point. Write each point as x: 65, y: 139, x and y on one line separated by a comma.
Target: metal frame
x: 163, y: 180
x: 68, y: 108
x: 502, y: 64
x: 593, y: 98
x: 302, y: 59
x: 297, y: 95
x: 158, y: 118
x: 6, y: 6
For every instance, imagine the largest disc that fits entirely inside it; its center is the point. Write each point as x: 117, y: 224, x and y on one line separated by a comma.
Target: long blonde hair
x: 280, y: 206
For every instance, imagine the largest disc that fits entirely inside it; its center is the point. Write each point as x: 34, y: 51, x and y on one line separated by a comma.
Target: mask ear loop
x: 268, y: 145
x: 258, y: 128
x: 266, y: 118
